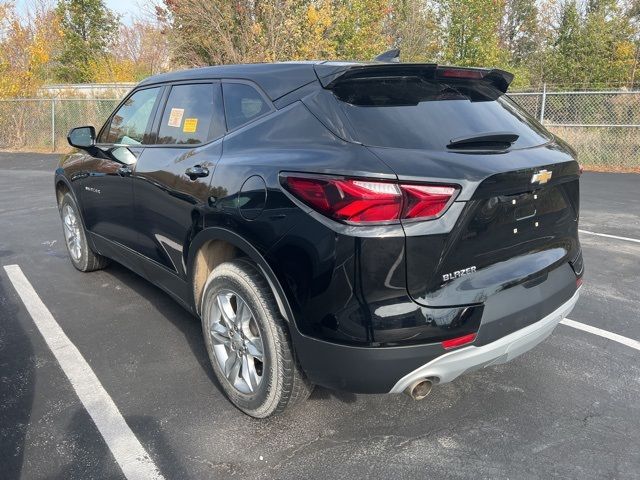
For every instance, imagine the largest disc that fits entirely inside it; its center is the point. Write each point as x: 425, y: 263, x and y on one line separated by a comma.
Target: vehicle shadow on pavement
x: 321, y: 393
x: 171, y: 310
x: 17, y: 371
x: 190, y: 327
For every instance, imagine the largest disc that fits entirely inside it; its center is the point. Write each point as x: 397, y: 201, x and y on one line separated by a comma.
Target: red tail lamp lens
x: 349, y: 200
x: 424, y: 201
x: 461, y: 73
x: 369, y: 201
x: 458, y: 341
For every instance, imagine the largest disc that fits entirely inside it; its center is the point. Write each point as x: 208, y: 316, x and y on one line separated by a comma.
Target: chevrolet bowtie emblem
x: 542, y: 177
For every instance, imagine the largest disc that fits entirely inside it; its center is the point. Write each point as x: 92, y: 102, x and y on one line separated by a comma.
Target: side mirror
x: 82, y: 137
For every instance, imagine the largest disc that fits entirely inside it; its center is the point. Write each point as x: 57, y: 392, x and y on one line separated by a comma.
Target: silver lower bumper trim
x: 450, y: 365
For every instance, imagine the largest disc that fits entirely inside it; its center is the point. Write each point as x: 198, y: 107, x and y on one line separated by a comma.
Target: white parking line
x: 627, y: 239
x: 125, y: 447
x: 629, y: 342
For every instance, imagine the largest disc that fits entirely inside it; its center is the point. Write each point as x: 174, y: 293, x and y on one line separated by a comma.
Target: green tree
x: 519, y: 32
x: 88, y: 31
x: 359, y: 29
x: 594, y: 48
x: 473, y: 32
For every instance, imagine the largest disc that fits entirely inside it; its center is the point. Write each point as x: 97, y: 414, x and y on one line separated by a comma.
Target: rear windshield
x: 413, y: 112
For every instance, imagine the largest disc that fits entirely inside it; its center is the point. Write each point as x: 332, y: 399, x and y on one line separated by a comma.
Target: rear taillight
x: 425, y: 201
x: 366, y: 201
x: 461, y: 73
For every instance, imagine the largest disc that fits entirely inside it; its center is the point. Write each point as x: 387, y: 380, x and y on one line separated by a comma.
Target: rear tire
x: 248, y: 342
x: 81, y: 255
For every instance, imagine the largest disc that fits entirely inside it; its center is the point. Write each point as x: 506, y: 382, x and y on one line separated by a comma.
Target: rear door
x: 172, y: 177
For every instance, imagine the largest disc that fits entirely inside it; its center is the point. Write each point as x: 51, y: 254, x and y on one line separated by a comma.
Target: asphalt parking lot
x: 568, y: 409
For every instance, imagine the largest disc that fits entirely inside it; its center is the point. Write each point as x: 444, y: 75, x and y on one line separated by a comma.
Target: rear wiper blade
x: 484, y: 141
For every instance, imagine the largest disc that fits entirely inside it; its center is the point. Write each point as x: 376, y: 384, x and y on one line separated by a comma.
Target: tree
x: 472, y: 32
x: 416, y: 29
x: 27, y: 44
x: 88, y: 30
x: 231, y: 31
x: 235, y: 31
x: 592, y: 47
x: 519, y: 30
x: 141, y: 49
x: 359, y: 28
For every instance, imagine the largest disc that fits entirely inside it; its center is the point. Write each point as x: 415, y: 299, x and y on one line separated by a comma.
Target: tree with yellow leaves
x: 27, y: 46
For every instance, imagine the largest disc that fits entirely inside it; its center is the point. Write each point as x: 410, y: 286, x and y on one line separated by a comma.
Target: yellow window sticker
x: 175, y: 117
x: 190, y: 125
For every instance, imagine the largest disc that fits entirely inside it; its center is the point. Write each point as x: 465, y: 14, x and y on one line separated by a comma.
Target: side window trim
x: 257, y: 88
x: 217, y: 115
x: 157, y: 115
x: 107, y: 125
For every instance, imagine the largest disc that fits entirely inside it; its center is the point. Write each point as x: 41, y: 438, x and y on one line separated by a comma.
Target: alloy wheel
x: 72, y: 232
x: 236, y: 341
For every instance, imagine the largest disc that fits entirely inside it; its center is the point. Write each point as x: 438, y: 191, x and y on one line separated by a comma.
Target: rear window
x: 413, y: 112
x: 242, y: 104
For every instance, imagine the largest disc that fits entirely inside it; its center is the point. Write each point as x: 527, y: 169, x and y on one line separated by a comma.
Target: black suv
x: 369, y: 227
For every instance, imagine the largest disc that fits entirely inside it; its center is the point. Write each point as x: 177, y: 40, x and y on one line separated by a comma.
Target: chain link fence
x: 604, y: 127
x: 42, y: 124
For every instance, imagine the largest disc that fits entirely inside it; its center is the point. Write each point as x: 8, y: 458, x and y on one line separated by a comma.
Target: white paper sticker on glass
x: 175, y: 117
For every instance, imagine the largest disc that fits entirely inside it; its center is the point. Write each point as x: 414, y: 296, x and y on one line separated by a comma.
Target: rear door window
x: 418, y: 113
x: 189, y: 115
x: 242, y: 104
x: 129, y: 124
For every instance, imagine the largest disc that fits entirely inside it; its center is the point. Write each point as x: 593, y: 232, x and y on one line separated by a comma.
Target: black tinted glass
x: 188, y: 115
x: 412, y: 112
x: 242, y: 103
x: 129, y: 123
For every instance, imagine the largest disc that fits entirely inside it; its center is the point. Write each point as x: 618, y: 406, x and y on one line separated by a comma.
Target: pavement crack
x: 227, y: 467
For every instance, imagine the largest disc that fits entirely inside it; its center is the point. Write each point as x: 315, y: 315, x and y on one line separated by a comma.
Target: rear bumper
x: 449, y: 366
x: 391, y: 369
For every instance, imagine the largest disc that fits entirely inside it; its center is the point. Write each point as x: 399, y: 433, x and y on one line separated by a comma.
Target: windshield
x: 413, y: 112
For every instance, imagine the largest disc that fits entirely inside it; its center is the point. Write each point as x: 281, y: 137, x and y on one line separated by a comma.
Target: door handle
x: 197, y: 171
x: 124, y: 171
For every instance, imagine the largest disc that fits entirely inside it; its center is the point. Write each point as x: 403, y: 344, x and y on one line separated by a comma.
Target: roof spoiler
x: 332, y: 73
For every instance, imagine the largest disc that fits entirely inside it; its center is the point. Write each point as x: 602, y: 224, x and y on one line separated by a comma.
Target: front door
x: 172, y: 177
x: 107, y: 186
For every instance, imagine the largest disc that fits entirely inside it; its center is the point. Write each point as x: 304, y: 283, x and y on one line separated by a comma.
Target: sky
x: 126, y: 8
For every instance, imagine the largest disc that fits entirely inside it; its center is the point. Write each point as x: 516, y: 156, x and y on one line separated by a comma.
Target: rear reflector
x: 578, y: 282
x: 458, y: 341
x: 363, y: 201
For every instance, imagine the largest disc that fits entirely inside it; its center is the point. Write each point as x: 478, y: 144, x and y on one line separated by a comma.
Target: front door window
x: 129, y: 123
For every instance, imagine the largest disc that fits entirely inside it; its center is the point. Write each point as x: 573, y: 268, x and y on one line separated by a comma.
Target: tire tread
x: 293, y: 387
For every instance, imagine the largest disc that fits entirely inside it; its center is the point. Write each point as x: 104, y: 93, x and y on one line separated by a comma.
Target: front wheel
x: 248, y: 342
x: 81, y: 255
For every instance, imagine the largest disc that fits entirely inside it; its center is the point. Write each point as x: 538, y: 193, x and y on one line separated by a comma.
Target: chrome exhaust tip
x: 419, y: 389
